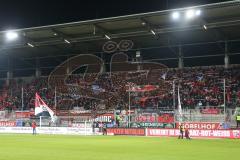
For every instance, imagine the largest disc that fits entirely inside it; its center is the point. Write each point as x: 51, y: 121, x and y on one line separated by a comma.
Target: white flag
x: 179, y: 106
x: 164, y: 76
x: 41, y: 108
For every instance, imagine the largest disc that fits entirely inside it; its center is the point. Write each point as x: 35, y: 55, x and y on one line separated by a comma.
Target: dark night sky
x: 30, y: 13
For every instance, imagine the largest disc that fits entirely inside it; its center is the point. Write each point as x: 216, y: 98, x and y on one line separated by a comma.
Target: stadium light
x: 11, y: 35
x: 205, y: 27
x: 152, y: 31
x: 138, y: 54
x: 143, y: 23
x: 198, y: 12
x: 30, y: 45
x: 189, y: 14
x: 67, y: 41
x: 175, y: 15
x: 107, y: 37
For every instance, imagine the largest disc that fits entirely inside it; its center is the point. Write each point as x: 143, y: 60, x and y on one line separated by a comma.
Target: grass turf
x: 56, y: 147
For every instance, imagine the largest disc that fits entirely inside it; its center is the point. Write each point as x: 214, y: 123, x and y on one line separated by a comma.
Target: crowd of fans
x: 198, y: 87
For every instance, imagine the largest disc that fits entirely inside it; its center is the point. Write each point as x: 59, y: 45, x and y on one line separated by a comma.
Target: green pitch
x: 54, y: 147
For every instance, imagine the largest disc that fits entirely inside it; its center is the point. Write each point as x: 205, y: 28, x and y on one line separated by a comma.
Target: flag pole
x: 22, y: 99
x: 22, y: 106
x: 129, y: 107
x: 55, y: 99
x: 174, y: 102
x: 40, y: 121
x: 224, y: 98
x: 179, y: 105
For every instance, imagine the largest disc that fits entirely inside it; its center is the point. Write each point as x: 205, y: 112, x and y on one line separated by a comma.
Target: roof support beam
x: 215, y: 32
x: 170, y: 46
x: 30, y: 42
x: 226, y: 57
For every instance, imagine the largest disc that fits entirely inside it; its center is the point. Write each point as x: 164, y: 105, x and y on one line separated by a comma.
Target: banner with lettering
x: 200, y: 125
x: 195, y: 133
x: 149, y: 116
x: 7, y: 123
x: 126, y: 131
x: 153, y: 125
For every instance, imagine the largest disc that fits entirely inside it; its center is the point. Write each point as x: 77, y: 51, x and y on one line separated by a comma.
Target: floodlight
x: 11, y: 35
x: 67, y: 41
x: 198, y: 12
x: 189, y: 14
x: 107, y: 37
x: 152, y: 31
x: 138, y: 54
x: 30, y: 45
x: 175, y: 15
x: 205, y: 27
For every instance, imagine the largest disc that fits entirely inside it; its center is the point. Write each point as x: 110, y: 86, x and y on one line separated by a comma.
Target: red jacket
x: 186, y: 132
x: 34, y: 125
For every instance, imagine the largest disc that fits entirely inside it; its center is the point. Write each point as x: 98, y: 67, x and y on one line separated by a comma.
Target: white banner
x: 49, y: 130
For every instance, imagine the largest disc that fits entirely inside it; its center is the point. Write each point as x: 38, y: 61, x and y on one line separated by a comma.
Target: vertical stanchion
x: 174, y: 101
x: 22, y: 107
x: 85, y: 127
x: 40, y: 123
x: 224, y: 99
x: 129, y: 107
x: 55, y: 99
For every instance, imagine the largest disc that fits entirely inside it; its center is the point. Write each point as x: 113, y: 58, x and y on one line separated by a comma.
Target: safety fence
x: 135, y: 118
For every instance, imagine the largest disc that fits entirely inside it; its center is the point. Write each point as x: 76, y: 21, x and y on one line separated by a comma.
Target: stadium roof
x: 221, y: 20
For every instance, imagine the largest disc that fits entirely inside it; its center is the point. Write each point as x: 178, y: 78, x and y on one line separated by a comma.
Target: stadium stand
x: 200, y: 87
